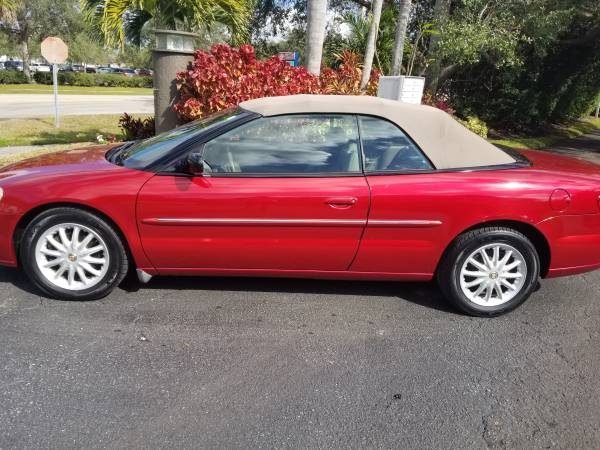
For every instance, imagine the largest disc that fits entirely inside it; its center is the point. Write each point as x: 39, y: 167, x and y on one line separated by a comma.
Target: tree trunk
x: 25, y: 54
x: 441, y: 12
x: 398, y: 52
x: 371, y: 43
x: 315, y: 34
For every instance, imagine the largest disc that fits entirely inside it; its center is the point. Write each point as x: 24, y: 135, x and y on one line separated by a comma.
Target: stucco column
x: 166, y: 65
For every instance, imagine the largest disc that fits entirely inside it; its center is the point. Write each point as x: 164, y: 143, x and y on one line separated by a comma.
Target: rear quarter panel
x: 462, y: 200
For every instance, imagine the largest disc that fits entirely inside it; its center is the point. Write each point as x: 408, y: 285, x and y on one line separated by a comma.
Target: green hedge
x: 12, y: 77
x: 93, y: 79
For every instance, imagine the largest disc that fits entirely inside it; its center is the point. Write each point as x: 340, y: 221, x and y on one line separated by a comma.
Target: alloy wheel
x: 493, y: 274
x: 72, y: 256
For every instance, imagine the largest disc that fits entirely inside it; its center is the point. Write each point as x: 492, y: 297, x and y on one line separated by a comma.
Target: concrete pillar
x: 166, y: 65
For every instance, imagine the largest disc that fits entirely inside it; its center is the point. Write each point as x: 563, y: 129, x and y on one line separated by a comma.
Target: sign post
x: 55, y: 83
x: 55, y: 51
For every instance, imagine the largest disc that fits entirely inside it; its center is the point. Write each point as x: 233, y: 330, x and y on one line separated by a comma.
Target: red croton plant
x: 225, y: 76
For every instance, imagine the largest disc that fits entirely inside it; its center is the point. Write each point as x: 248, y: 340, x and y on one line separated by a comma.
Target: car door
x: 278, y: 193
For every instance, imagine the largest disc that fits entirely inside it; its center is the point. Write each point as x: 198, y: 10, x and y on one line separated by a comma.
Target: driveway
x: 16, y: 106
x: 263, y: 363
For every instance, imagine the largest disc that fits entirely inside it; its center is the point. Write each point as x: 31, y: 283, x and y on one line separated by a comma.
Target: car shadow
x: 420, y: 293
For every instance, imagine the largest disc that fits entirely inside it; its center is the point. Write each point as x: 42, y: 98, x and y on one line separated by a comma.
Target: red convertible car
x: 305, y: 186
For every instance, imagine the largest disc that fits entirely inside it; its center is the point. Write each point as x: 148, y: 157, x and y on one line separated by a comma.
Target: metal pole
x: 55, y: 81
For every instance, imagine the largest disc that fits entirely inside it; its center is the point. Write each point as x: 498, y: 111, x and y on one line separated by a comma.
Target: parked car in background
x: 125, y: 71
x: 104, y: 69
x: 91, y: 69
x: 338, y: 187
x: 72, y: 68
x: 13, y: 65
x: 2, y: 65
x: 37, y: 67
x: 144, y: 72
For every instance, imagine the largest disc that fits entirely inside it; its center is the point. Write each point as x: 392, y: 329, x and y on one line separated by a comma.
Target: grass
x: 16, y: 132
x: 554, y: 135
x: 94, y: 90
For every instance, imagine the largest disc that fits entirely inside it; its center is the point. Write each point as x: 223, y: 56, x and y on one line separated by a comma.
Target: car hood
x: 80, y: 160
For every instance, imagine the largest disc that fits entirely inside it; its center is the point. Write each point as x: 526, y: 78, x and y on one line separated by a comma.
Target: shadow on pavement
x: 424, y: 294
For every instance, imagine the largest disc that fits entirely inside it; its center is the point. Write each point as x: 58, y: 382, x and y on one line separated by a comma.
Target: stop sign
x: 54, y: 50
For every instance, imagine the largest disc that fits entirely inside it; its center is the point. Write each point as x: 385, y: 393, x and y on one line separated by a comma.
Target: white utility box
x: 402, y: 88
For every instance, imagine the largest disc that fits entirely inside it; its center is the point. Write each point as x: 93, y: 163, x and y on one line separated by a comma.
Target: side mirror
x: 195, y: 164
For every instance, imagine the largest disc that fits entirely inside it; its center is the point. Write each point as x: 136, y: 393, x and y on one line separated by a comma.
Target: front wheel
x: 72, y: 254
x: 489, y: 271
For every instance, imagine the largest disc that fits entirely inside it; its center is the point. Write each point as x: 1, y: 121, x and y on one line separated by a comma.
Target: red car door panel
x: 309, y: 223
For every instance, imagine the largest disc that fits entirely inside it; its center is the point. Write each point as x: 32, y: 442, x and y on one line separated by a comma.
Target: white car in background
x: 36, y: 67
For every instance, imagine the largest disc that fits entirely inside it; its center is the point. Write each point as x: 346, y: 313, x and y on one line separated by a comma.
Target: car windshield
x: 139, y: 154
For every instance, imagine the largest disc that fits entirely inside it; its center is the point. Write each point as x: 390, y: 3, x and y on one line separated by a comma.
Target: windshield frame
x: 175, y: 153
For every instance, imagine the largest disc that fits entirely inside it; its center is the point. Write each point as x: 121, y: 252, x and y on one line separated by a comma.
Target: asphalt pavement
x: 17, y: 106
x: 270, y: 363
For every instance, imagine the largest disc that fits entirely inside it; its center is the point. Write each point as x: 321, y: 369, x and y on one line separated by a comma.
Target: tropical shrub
x: 136, y: 128
x: 12, y: 77
x: 438, y: 102
x: 93, y: 79
x: 225, y: 76
x: 345, y: 80
x: 476, y: 125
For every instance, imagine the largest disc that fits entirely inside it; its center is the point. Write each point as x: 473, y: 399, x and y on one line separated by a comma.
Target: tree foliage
x: 121, y: 19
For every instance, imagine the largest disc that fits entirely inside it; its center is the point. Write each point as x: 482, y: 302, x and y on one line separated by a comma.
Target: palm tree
x: 441, y: 12
x: 121, y: 19
x: 398, y: 53
x: 371, y: 41
x: 7, y: 7
x: 315, y: 34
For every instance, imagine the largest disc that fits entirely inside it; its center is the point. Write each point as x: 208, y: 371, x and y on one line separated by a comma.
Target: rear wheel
x: 72, y: 254
x: 489, y: 271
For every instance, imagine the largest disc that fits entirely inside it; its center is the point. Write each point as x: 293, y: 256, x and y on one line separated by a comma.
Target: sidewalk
x: 14, y: 106
x: 584, y: 147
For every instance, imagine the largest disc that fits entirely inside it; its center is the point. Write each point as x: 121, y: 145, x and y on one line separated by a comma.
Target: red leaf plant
x: 224, y: 77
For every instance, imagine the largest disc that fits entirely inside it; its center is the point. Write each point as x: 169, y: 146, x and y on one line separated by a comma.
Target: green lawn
x: 72, y: 129
x: 556, y: 134
x: 46, y: 89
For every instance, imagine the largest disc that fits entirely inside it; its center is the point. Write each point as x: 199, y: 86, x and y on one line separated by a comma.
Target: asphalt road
x: 262, y: 363
x: 16, y: 106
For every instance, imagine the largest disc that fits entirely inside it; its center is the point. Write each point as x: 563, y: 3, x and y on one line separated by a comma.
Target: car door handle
x: 341, y: 202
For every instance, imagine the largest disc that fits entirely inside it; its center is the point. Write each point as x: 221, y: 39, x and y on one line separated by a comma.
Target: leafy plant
x: 345, y: 80
x: 12, y: 77
x: 93, y: 79
x: 136, y: 128
x: 118, y: 19
x: 476, y: 125
x: 225, y: 76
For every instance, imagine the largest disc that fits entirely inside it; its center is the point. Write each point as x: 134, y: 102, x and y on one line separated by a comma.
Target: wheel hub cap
x: 493, y: 274
x: 72, y: 256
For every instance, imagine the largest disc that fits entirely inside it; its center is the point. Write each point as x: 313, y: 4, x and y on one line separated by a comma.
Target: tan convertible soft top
x: 446, y: 142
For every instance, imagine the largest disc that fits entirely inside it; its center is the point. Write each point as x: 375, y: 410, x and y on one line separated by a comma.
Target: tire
x: 90, y: 270
x: 516, y: 279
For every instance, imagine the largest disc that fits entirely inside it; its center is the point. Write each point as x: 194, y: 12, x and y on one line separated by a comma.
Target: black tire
x: 448, y: 274
x: 118, y: 262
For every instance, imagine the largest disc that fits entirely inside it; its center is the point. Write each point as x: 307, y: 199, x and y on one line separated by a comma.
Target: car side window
x: 387, y: 148
x: 287, y: 145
